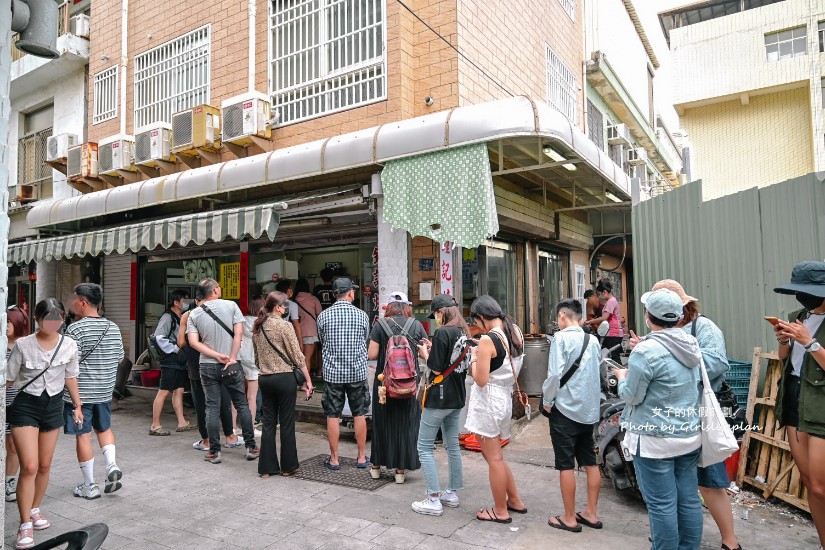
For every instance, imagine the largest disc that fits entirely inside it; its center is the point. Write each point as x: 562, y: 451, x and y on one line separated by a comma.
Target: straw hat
x: 674, y: 286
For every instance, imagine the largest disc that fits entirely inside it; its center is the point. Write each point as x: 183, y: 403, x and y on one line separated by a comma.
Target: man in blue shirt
x: 344, y: 330
x: 574, y: 410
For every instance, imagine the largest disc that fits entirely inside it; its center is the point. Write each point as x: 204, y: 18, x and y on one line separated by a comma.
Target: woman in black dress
x: 394, y: 423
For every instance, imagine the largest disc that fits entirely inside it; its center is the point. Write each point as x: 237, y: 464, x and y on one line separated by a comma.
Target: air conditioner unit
x: 81, y: 25
x: 27, y: 193
x: 245, y: 116
x: 81, y: 161
x: 618, y: 134
x: 115, y: 153
x: 57, y: 146
x: 636, y: 156
x: 153, y: 143
x: 196, y: 128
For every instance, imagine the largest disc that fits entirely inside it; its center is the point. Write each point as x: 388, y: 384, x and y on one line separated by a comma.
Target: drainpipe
x: 124, y: 61
x: 252, y: 14
x: 586, y: 56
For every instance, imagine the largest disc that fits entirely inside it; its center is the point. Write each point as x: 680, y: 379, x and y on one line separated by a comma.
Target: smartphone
x: 310, y: 394
x: 772, y: 320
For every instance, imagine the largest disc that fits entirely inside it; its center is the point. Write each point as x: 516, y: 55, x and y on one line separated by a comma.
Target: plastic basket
x: 738, y: 370
x: 739, y: 379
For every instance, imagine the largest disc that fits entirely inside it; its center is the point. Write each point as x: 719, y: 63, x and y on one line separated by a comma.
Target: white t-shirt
x: 812, y: 323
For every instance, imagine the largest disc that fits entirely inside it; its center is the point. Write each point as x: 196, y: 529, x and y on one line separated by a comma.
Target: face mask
x: 185, y: 305
x: 809, y: 301
x: 647, y: 323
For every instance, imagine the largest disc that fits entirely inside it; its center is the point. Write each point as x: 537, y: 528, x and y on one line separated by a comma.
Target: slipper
x: 238, y: 443
x: 289, y: 473
x: 187, y: 428
x: 587, y: 523
x: 363, y: 465
x: 158, y: 431
x: 333, y: 467
x: 516, y: 510
x: 492, y: 516
x: 563, y: 526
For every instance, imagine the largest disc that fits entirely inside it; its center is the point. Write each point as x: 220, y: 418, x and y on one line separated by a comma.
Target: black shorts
x: 790, y: 401
x: 357, y: 393
x: 571, y: 440
x: 172, y: 379
x: 41, y: 411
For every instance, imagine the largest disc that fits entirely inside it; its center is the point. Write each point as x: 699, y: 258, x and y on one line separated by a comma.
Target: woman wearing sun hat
x: 800, y: 401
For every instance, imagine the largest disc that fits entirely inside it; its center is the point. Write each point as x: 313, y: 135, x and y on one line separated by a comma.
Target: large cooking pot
x: 534, y: 371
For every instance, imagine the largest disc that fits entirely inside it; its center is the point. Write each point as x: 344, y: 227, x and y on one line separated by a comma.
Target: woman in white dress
x: 490, y: 409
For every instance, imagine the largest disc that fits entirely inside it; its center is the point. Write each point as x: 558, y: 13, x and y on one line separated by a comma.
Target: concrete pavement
x: 173, y: 499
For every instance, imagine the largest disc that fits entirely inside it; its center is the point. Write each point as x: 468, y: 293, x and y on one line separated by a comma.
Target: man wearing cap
x: 662, y: 423
x: 344, y: 330
x: 800, y: 400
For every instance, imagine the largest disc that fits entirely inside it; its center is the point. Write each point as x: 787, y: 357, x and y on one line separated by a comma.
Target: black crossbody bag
x: 30, y: 382
x: 230, y: 373
x: 570, y: 372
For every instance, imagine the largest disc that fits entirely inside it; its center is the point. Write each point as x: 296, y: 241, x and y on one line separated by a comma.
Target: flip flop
x: 563, y: 526
x: 492, y: 516
x: 333, y: 467
x: 516, y: 510
x: 363, y: 465
x: 587, y: 523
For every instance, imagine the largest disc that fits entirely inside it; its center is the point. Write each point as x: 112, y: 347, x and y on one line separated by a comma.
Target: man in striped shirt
x: 100, y: 347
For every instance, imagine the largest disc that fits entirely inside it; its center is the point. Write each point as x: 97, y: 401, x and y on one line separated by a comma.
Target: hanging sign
x: 231, y: 281
x: 447, y: 268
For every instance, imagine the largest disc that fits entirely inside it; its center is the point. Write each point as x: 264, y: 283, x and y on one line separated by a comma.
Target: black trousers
x: 199, y: 398
x: 279, y: 392
x: 610, y: 341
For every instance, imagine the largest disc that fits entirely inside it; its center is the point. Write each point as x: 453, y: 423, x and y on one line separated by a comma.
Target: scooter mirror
x: 603, y: 329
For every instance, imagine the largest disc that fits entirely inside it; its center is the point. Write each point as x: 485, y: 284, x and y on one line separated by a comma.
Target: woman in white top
x: 246, y: 356
x: 40, y: 366
x: 491, y: 406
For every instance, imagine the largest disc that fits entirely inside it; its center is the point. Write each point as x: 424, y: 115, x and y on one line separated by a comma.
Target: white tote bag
x: 718, y: 442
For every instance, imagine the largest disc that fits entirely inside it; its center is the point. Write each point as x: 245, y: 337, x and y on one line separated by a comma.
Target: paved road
x: 173, y: 499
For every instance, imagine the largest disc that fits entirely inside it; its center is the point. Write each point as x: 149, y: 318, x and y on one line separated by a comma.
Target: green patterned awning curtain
x: 195, y: 228
x: 446, y: 196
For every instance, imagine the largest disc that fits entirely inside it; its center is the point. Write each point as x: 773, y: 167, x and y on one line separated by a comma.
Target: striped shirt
x: 11, y: 393
x: 99, y: 368
x: 344, y: 330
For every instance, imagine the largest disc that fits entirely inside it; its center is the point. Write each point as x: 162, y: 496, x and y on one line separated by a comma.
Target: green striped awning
x: 198, y: 228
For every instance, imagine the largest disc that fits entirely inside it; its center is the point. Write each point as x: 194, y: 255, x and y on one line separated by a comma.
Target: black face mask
x: 809, y: 301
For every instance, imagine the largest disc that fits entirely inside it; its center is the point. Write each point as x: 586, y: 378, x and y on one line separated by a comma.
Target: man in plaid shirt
x: 344, y: 330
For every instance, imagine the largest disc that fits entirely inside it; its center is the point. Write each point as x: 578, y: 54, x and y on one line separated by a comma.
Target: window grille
x: 105, y: 90
x: 326, y: 56
x: 31, y: 158
x: 569, y: 6
x: 786, y: 44
x: 595, y: 125
x: 172, y: 77
x: 561, y: 86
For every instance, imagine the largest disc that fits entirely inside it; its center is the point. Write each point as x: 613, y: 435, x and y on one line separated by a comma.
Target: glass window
x: 561, y: 86
x: 788, y: 43
x: 570, y: 7
x: 490, y: 270
x: 595, y: 125
x: 551, y: 287
x: 821, y: 32
x: 326, y: 56
x: 105, y: 90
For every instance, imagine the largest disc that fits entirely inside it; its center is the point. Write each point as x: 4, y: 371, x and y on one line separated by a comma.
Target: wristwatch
x: 813, y: 346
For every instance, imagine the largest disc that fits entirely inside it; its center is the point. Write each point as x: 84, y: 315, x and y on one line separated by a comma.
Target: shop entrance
x: 551, y: 287
x: 490, y: 269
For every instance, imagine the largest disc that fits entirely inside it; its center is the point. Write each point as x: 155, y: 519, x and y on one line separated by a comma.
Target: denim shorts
x: 40, y: 411
x: 357, y: 393
x: 95, y: 415
x: 714, y: 476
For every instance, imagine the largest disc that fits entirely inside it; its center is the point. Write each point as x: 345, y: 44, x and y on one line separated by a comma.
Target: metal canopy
x: 520, y: 124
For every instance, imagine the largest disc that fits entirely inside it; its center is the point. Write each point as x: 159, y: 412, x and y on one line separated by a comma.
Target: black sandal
x: 563, y: 526
x: 491, y: 516
x: 516, y: 510
x: 598, y: 525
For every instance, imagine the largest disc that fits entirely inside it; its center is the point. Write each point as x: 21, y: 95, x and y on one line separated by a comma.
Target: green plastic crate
x: 739, y: 379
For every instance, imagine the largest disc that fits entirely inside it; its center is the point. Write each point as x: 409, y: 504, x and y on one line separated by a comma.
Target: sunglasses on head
x: 13, y: 307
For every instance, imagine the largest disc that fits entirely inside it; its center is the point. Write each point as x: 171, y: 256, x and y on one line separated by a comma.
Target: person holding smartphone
x: 39, y: 367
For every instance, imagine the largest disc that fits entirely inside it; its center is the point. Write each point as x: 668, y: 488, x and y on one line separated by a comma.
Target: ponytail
x: 514, y: 336
x: 273, y: 300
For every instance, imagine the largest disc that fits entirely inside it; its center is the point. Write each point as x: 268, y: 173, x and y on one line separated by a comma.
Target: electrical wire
x: 459, y: 52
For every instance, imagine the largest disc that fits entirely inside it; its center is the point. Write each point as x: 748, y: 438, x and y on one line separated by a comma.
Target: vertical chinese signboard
x: 374, y: 299
x: 447, y: 268
x: 231, y: 281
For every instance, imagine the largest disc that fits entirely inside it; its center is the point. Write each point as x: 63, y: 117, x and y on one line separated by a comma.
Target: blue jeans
x: 431, y: 421
x: 212, y: 384
x: 671, y: 491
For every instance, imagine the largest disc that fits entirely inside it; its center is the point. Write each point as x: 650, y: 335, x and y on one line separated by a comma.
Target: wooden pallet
x: 765, y: 451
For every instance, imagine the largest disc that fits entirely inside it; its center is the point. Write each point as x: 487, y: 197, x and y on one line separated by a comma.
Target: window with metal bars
x: 105, y: 90
x: 31, y: 158
x: 595, y: 125
x: 172, y: 77
x: 561, y: 86
x: 326, y: 56
x: 569, y: 6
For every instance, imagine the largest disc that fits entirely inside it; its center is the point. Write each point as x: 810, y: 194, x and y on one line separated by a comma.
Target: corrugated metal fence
x: 731, y: 252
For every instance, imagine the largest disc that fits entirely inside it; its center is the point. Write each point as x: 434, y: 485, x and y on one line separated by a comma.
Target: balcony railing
x: 31, y: 158
x: 64, y: 23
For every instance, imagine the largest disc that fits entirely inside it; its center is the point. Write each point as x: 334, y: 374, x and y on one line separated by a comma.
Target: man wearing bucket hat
x: 800, y: 401
x: 661, y: 389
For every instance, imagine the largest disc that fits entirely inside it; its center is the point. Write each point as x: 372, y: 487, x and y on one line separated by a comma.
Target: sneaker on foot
x: 199, y: 446
x: 11, y: 490
x: 25, y: 537
x: 113, y: 476
x: 214, y: 458
x: 252, y: 454
x: 38, y: 521
x: 449, y: 498
x: 89, y: 492
x: 428, y: 507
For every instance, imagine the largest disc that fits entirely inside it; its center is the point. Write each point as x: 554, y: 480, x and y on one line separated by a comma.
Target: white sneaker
x: 449, y: 498
x: 87, y: 492
x: 11, y: 490
x: 113, y: 476
x: 428, y: 507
